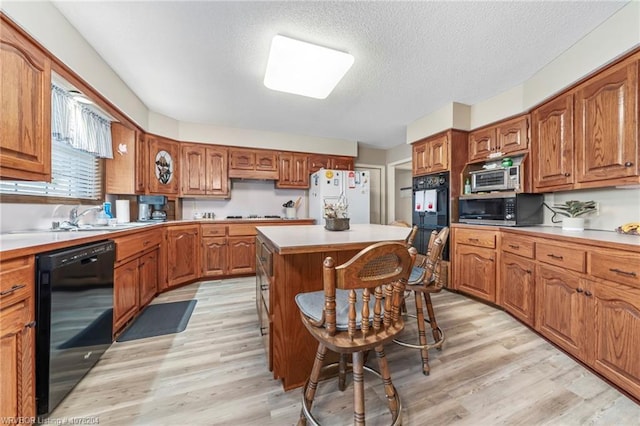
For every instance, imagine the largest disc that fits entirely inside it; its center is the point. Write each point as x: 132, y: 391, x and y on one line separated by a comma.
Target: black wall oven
x: 430, y: 208
x: 74, y: 317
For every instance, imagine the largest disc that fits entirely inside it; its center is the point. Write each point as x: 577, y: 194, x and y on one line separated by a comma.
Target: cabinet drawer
x: 517, y: 245
x: 264, y: 257
x: 616, y: 266
x: 476, y: 238
x: 213, y: 230
x: 134, y: 244
x: 16, y: 279
x: 570, y: 257
x: 242, y: 229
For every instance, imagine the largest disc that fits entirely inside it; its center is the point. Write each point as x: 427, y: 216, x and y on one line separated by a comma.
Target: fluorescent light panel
x: 303, y: 68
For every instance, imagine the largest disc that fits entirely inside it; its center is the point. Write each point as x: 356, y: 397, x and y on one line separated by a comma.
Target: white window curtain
x: 78, y: 125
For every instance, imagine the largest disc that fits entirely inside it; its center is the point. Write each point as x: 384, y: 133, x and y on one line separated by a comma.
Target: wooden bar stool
x: 358, y: 310
x: 426, y: 278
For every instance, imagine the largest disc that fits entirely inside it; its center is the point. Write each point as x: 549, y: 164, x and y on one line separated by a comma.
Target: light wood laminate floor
x: 492, y: 371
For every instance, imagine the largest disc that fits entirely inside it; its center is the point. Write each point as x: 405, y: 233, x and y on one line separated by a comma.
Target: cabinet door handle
x: 474, y: 240
x: 618, y: 271
x: 628, y: 164
x: 514, y: 246
x: 579, y: 290
x: 567, y: 174
x: 528, y: 271
x: 30, y: 324
x: 12, y: 289
x: 588, y: 293
x: 554, y: 256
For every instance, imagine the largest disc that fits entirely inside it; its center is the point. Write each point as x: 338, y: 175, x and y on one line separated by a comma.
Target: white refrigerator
x: 329, y: 185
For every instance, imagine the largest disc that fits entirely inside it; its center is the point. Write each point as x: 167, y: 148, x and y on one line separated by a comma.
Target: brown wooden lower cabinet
x: 617, y: 333
x: 17, y: 338
x: 148, y: 270
x: 242, y: 255
x: 230, y: 249
x: 125, y: 293
x: 565, y: 313
x: 518, y: 287
x: 585, y: 298
x: 135, y: 275
x: 183, y: 254
x: 214, y: 256
x: 475, y: 263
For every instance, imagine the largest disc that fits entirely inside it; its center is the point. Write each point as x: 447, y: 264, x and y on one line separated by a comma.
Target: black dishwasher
x: 74, y: 317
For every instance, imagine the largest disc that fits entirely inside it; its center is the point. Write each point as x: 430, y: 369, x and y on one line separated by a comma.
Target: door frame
x: 383, y: 194
x: 391, y: 185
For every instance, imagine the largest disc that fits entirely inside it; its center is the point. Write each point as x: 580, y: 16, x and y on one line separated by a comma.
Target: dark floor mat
x: 159, y: 319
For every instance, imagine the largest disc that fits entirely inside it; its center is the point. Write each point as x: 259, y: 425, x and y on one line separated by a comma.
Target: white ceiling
x: 204, y: 61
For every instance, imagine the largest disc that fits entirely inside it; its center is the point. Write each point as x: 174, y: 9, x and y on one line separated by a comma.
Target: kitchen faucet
x: 74, y: 216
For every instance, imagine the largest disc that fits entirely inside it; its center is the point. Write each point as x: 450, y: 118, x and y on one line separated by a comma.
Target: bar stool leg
x: 389, y: 389
x: 358, y: 388
x: 422, y: 336
x: 342, y: 372
x: 312, y: 385
x: 432, y: 319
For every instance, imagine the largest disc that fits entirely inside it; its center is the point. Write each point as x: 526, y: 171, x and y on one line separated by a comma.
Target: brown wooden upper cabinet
x: 552, y: 149
x: 431, y: 155
x: 253, y: 163
x: 332, y: 162
x: 125, y: 172
x: 25, y: 121
x: 606, y: 120
x: 204, y: 170
x: 499, y: 139
x: 588, y: 137
x: 294, y: 170
x: 163, y: 161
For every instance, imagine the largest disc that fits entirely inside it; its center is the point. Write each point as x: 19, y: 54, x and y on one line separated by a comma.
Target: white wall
x: 43, y: 21
x: 248, y: 197
x: 193, y: 132
x: 453, y: 115
x: 611, y: 39
x: 617, y: 206
x: 404, y: 203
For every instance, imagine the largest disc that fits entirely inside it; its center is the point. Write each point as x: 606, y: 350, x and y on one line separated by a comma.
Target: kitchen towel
x: 419, y: 201
x: 430, y: 201
x: 122, y: 211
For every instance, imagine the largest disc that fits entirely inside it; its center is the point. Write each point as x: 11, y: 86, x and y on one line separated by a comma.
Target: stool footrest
x: 434, y: 345
x: 395, y: 421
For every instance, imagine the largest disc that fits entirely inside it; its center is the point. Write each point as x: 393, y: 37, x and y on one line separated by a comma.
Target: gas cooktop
x: 255, y: 216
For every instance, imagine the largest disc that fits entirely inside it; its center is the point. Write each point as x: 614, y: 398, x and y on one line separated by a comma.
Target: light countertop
x: 588, y: 236
x: 313, y: 238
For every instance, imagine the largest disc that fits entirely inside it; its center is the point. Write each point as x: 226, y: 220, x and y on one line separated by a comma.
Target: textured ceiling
x: 204, y: 61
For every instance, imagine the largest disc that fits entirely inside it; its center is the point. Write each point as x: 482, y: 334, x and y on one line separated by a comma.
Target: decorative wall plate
x: 164, y: 167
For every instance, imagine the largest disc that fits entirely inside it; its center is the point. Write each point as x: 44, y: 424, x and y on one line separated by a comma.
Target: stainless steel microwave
x: 499, y: 179
x: 501, y: 208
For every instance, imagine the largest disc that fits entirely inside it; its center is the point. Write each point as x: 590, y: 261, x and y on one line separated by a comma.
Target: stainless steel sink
x: 85, y: 228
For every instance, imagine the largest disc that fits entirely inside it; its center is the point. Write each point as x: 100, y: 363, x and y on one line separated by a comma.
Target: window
x: 74, y: 174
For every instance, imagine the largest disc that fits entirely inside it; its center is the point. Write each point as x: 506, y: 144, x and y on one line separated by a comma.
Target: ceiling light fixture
x: 303, y: 68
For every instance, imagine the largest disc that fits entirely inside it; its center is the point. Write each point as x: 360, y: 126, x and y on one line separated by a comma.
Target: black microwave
x: 502, y: 209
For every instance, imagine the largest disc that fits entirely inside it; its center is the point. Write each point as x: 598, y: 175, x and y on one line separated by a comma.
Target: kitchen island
x: 289, y: 262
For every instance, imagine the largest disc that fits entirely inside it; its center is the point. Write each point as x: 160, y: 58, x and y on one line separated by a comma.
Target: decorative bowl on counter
x: 336, y: 223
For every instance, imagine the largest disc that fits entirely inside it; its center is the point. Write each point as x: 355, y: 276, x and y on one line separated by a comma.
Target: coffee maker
x: 151, y: 208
